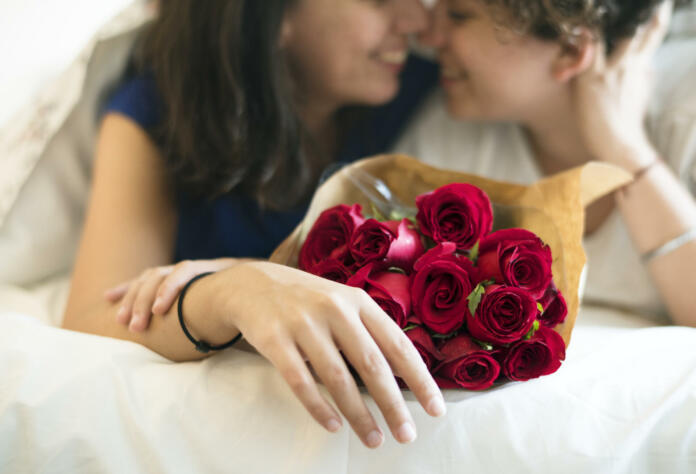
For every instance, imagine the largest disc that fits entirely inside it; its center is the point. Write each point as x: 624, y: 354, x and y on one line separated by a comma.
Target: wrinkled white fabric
x: 624, y: 401
x: 46, y: 154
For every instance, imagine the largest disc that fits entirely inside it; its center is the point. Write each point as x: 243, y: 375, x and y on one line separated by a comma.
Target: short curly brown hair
x: 612, y: 20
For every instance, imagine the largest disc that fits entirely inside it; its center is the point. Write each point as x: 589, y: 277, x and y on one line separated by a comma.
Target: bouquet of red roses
x: 476, y: 304
x: 481, y: 299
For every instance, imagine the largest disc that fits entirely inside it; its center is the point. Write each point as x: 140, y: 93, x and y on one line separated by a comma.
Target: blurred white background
x: 37, y: 40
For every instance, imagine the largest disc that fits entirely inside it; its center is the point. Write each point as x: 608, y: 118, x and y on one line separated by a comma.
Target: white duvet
x: 624, y: 401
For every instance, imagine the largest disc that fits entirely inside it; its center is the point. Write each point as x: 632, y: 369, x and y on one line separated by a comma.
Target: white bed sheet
x: 624, y: 401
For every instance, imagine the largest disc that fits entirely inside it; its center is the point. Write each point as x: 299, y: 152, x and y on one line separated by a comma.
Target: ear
x: 574, y: 57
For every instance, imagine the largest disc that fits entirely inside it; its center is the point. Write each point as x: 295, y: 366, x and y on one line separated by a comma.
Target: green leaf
x: 398, y: 215
x: 484, y: 345
x: 535, y: 328
x: 540, y: 308
x: 397, y: 270
x: 436, y: 335
x: 474, y: 252
x: 474, y: 298
x: 378, y: 215
x: 409, y: 327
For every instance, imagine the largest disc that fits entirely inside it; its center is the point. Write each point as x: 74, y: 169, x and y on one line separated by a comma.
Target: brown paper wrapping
x: 553, y: 208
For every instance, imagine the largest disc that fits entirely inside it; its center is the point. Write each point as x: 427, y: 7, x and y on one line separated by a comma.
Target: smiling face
x: 350, y: 51
x: 490, y: 72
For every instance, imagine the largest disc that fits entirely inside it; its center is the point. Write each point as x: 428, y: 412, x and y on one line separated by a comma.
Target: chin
x: 461, y: 110
x: 379, y: 93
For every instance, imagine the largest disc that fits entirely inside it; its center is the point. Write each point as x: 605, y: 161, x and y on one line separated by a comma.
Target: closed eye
x: 458, y: 16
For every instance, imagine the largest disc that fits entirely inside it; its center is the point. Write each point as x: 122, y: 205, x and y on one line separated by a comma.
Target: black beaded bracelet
x: 201, y: 346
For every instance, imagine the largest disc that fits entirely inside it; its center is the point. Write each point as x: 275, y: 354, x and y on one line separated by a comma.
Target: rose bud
x: 440, y: 285
x: 329, y: 236
x: 554, y: 307
x: 540, y: 355
x: 370, y: 242
x: 504, y: 315
x: 459, y: 213
x: 515, y: 257
x: 389, y: 290
x: 332, y: 270
x: 425, y: 346
x: 406, y: 248
x: 466, y: 365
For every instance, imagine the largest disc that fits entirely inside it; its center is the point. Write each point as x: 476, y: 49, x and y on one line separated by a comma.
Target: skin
x: 576, y: 104
x: 288, y: 316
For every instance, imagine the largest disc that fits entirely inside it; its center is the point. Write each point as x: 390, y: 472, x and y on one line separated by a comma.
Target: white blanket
x: 624, y: 401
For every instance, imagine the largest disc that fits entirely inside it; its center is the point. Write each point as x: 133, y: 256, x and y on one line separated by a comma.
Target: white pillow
x: 46, y: 155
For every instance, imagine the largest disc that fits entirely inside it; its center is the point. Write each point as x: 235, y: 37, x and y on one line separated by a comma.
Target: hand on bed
x: 612, y: 96
x: 294, y: 318
x: 156, y: 289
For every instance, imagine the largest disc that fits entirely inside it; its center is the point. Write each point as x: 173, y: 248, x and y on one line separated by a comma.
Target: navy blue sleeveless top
x: 234, y: 225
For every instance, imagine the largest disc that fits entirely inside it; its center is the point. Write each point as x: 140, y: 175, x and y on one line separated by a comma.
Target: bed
x: 624, y: 400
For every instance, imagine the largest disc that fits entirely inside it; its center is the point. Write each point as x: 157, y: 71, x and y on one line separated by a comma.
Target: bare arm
x: 613, y: 96
x: 657, y: 208
x: 284, y: 313
x: 129, y: 227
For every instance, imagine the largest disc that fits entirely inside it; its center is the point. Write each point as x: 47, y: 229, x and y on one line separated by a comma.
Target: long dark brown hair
x: 229, y: 123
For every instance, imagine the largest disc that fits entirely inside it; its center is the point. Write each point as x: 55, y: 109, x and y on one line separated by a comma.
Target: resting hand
x: 156, y: 289
x: 294, y: 318
x: 612, y: 96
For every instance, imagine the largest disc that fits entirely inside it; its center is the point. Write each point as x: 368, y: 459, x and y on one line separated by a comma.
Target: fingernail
x: 406, y: 433
x: 121, y: 314
x: 374, y: 439
x: 436, y: 406
x: 157, y: 303
x: 333, y: 425
x: 134, y: 319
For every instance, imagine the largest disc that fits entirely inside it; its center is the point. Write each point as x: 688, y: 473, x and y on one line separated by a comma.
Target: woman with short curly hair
x: 567, y: 82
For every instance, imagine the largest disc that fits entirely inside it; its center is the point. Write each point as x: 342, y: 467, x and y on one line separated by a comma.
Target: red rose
x: 332, y: 270
x: 440, y: 286
x: 330, y: 236
x: 516, y: 257
x: 554, y: 307
x: 466, y: 365
x: 540, y: 355
x: 370, y: 242
x: 407, y: 247
x: 389, y: 290
x: 504, y: 315
x: 459, y: 213
x: 425, y: 346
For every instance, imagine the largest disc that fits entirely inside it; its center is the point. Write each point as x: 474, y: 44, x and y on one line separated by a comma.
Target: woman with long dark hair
x: 207, y: 157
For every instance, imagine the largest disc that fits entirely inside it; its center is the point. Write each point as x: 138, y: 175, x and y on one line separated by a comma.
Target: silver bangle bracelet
x: 670, y: 246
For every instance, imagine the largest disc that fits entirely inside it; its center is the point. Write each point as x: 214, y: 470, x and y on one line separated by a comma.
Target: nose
x: 411, y: 17
x: 435, y: 35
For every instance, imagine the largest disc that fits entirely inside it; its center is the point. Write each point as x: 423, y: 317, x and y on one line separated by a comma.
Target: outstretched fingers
x: 403, y: 357
x: 287, y: 359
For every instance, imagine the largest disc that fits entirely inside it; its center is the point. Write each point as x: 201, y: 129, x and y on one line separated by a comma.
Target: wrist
x: 631, y: 157
x: 200, y: 310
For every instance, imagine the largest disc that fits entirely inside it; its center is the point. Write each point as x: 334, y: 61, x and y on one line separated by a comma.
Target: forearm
x: 656, y: 209
x: 164, y: 336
